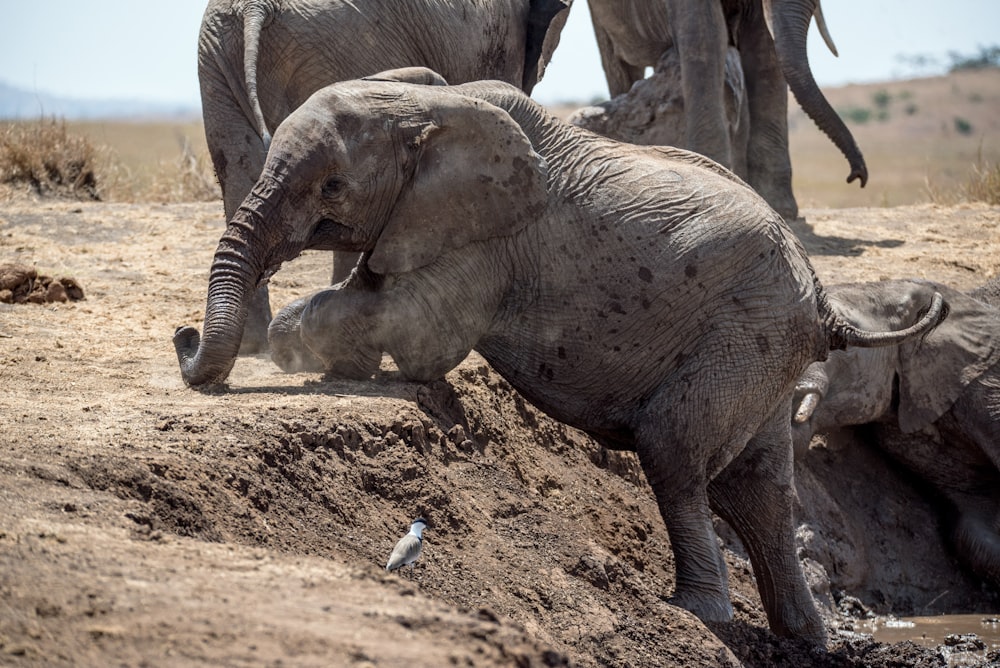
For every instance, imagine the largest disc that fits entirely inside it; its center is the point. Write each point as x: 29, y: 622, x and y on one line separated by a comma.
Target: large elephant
x: 633, y: 35
x: 642, y: 294
x: 260, y: 59
x: 942, y: 393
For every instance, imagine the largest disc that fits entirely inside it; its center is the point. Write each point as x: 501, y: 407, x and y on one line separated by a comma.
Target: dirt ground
x: 144, y: 523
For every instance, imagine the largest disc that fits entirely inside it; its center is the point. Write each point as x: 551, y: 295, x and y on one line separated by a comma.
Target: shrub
x: 881, y: 98
x: 858, y: 115
x: 962, y: 126
x: 50, y: 160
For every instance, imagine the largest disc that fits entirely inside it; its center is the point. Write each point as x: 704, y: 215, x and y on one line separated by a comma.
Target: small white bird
x: 407, y: 550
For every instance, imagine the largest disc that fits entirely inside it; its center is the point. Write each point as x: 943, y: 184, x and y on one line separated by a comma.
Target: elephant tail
x: 840, y: 333
x: 255, y: 16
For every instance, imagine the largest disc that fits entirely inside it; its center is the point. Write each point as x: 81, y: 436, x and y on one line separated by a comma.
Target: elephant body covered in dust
x: 642, y: 294
x: 260, y: 59
x: 770, y: 37
x: 937, y: 399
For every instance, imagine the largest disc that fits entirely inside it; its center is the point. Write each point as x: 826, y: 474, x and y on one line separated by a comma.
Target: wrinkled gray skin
x: 944, y: 391
x: 633, y: 34
x: 652, y: 111
x: 260, y: 59
x: 642, y: 294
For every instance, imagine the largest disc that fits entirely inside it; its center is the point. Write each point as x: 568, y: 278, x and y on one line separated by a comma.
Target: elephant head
x: 915, y: 382
x: 788, y: 22
x: 390, y: 182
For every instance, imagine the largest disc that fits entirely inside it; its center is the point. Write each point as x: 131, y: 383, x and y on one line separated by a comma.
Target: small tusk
x: 807, y: 407
x: 821, y: 24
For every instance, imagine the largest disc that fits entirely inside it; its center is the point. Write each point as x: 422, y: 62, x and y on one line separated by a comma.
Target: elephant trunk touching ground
x: 788, y: 28
x: 235, y: 275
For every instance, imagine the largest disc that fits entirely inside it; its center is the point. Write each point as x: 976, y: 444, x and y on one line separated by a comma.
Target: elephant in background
x: 652, y: 111
x: 936, y: 401
x: 260, y: 59
x: 642, y: 294
x: 770, y: 36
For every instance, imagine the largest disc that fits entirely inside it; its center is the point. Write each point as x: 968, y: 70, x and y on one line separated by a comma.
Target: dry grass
x: 923, y: 141
x: 50, y: 160
x: 112, y: 161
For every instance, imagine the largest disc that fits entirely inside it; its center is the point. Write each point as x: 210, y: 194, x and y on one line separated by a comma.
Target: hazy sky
x: 133, y: 49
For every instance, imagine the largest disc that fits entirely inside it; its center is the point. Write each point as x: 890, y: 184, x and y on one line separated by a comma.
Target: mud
x: 147, y: 523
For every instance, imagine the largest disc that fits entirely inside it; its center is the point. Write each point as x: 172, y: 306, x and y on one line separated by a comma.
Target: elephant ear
x: 934, y: 371
x: 476, y: 177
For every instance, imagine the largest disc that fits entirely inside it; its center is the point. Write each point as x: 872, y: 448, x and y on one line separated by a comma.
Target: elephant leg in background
x: 769, y: 165
x: 238, y: 158
x: 619, y: 74
x: 700, y: 35
x: 755, y: 495
x: 343, y: 263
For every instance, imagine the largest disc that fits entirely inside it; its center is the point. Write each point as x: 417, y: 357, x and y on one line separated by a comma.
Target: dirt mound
x: 21, y: 284
x: 145, y: 522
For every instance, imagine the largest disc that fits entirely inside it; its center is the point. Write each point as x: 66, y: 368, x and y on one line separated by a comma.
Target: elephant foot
x: 801, y: 622
x: 706, y: 607
x: 258, y: 319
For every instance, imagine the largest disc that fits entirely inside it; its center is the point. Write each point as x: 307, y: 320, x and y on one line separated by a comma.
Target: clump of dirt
x: 21, y: 284
x: 144, y: 522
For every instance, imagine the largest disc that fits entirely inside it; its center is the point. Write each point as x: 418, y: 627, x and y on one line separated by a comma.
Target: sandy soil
x: 147, y: 524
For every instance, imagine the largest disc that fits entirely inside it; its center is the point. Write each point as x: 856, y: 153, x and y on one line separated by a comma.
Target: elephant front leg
x: 344, y: 331
x: 284, y: 336
x: 330, y: 331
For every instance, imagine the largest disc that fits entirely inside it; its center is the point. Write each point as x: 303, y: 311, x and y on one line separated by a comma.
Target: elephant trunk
x: 207, y: 359
x: 789, y: 25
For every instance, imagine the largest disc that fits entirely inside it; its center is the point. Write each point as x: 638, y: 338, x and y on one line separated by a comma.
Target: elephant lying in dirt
x: 642, y: 294
x: 944, y: 391
x: 770, y: 37
x: 260, y: 59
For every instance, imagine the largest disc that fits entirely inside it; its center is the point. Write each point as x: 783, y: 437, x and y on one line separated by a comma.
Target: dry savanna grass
x: 925, y: 140
x: 117, y: 161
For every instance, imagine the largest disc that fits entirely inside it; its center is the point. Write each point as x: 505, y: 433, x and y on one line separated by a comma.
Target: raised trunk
x: 207, y: 360
x: 789, y: 24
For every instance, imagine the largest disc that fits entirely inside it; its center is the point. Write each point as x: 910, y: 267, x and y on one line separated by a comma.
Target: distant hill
x: 20, y: 104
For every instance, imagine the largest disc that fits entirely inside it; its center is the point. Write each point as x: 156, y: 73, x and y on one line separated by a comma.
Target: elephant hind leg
x: 755, y: 494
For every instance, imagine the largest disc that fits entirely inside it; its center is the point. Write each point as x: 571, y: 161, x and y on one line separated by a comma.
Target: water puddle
x: 953, y: 632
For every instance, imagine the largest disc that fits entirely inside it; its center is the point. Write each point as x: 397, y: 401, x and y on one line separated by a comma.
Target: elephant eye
x: 334, y: 186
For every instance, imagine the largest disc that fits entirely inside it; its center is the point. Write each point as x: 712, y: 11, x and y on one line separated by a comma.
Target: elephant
x: 642, y: 294
x: 770, y: 36
x: 936, y: 402
x: 652, y: 111
x: 260, y: 59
